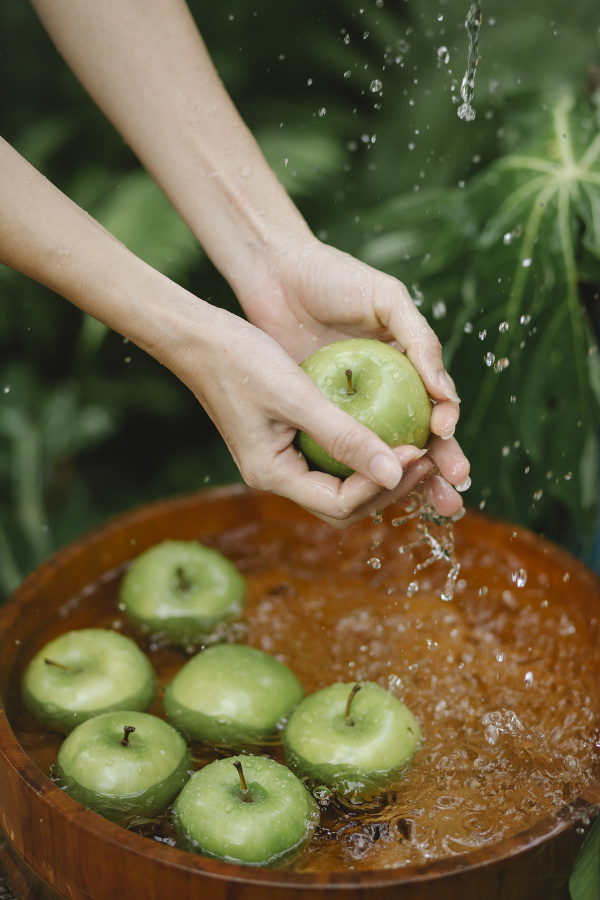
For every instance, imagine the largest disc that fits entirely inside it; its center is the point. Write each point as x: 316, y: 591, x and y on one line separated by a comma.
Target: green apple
x: 356, y: 739
x: 182, y: 591
x: 86, y: 672
x: 246, y: 809
x: 231, y: 695
x: 123, y: 764
x: 376, y: 384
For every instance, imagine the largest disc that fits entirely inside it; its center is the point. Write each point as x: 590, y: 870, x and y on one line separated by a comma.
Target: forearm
x: 145, y: 64
x: 47, y: 237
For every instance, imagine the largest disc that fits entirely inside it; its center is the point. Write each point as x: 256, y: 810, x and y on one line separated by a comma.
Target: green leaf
x: 584, y: 882
x: 498, y: 265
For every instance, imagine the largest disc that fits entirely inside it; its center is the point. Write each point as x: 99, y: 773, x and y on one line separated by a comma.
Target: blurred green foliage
x: 90, y: 426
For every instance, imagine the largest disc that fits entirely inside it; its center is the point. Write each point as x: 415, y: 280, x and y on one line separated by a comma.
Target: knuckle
x: 347, y: 445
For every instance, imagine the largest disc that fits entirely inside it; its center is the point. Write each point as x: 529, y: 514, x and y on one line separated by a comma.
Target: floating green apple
x: 246, y: 809
x: 84, y: 673
x: 231, y: 695
x: 353, y: 738
x: 182, y: 591
x: 123, y: 764
x: 376, y: 384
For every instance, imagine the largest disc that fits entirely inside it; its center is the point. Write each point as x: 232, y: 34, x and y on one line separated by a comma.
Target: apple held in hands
x: 231, y: 695
x: 182, y: 591
x: 246, y: 809
x: 123, y: 764
x: 354, y: 738
x: 84, y: 673
x: 377, y: 385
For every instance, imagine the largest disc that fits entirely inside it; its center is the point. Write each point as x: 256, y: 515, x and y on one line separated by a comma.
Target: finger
x: 451, y: 462
x: 414, y: 475
x: 442, y: 496
x: 444, y: 417
x: 398, y: 311
x: 346, y: 440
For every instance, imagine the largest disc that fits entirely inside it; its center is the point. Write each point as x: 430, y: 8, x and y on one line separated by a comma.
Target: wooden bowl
x: 303, y: 577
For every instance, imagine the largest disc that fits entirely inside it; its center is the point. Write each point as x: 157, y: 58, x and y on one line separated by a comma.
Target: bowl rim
x: 552, y: 825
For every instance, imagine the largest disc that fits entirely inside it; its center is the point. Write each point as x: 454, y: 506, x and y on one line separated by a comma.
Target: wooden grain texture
x: 56, y: 848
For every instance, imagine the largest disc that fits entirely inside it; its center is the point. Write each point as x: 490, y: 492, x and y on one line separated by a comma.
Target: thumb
x: 353, y: 444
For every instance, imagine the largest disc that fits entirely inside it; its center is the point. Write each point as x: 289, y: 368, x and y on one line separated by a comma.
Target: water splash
x: 467, y: 88
x: 437, y: 534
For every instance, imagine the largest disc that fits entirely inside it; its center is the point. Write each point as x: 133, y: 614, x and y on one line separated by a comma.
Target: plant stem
x: 349, y: 380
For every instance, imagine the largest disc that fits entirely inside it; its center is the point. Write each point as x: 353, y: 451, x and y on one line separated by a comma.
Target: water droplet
x: 489, y: 359
x: 528, y: 679
x: 491, y: 734
x: 347, y: 74
x: 466, y: 112
x: 482, y: 335
x: 502, y: 364
x: 439, y: 309
x: 322, y: 112
x: 443, y: 56
x: 526, y: 262
x: 468, y: 327
x: 503, y: 326
x: 483, y: 591
x: 520, y: 577
x: 568, y: 476
x: 375, y: 86
x: 374, y: 562
x: 525, y: 320
x: 538, y: 495
x: 412, y: 588
x: 6, y: 390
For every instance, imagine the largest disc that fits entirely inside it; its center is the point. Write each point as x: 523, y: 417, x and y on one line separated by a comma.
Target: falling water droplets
x: 472, y: 24
x: 374, y: 562
x: 489, y: 359
x: 520, y: 577
x: 375, y: 86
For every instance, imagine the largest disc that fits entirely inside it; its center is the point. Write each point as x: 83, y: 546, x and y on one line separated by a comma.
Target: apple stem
x: 183, y: 582
x: 349, y: 380
x: 351, y: 697
x: 51, y: 662
x: 245, y: 792
x: 128, y: 730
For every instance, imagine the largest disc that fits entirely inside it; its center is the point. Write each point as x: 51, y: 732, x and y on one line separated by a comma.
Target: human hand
x: 258, y: 397
x: 315, y: 295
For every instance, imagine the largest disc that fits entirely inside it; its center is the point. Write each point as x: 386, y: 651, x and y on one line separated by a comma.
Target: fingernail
x: 447, y: 387
x: 446, y: 435
x: 385, y: 471
x: 410, y: 455
x: 464, y: 485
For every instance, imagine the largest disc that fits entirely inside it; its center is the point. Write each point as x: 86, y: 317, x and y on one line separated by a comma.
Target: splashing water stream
x: 467, y: 89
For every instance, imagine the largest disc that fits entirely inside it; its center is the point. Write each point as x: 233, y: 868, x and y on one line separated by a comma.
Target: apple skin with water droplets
x: 386, y: 394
